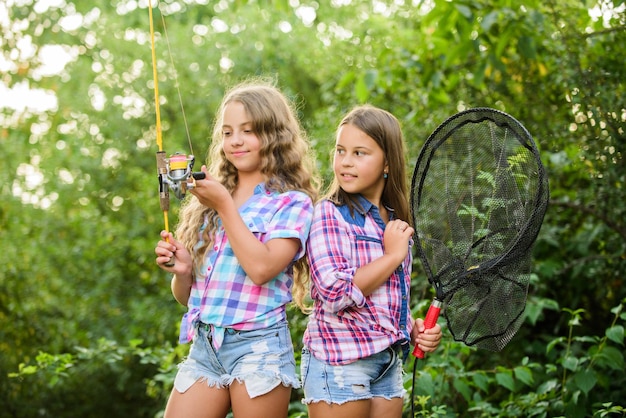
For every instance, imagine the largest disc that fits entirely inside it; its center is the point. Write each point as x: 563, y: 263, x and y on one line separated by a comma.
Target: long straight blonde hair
x: 287, y: 163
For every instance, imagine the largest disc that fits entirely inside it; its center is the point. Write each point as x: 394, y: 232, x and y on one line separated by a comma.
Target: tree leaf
x: 524, y: 374
x: 616, y: 334
x: 585, y: 380
x: 505, y: 379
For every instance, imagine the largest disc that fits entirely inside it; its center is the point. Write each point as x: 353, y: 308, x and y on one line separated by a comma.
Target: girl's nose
x: 346, y: 161
x: 236, y: 139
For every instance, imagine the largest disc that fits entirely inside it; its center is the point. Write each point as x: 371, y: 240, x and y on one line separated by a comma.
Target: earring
x: 385, y: 175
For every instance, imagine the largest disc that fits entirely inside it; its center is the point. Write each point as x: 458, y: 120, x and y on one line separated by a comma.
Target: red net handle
x: 431, y: 319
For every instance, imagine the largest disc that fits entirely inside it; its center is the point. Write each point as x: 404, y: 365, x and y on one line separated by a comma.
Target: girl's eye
x: 340, y: 151
x: 225, y: 133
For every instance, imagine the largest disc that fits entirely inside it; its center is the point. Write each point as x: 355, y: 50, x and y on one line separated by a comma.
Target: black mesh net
x: 479, y: 195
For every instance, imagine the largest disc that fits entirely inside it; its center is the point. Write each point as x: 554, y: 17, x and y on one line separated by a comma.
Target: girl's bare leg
x: 353, y: 409
x: 274, y: 404
x: 386, y: 408
x: 199, y: 401
x: 369, y: 408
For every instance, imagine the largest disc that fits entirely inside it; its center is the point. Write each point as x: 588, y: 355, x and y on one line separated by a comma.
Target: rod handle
x: 199, y: 175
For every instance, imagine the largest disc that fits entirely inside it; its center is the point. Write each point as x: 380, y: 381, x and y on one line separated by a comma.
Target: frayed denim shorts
x: 379, y: 375
x: 262, y: 359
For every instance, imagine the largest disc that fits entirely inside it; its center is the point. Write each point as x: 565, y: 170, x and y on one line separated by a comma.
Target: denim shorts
x: 262, y: 359
x: 379, y: 375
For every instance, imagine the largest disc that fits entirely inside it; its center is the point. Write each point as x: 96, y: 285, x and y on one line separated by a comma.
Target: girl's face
x: 239, y: 141
x: 359, y: 163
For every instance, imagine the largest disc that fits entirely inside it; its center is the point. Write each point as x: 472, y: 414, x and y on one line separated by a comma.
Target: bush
x: 573, y: 376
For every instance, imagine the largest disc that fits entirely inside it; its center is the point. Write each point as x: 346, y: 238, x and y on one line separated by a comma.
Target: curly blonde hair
x: 287, y: 163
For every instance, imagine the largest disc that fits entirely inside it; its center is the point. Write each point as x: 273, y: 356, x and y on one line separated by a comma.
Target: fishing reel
x: 176, y: 174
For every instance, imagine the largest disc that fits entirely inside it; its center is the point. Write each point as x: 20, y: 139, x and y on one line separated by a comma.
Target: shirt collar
x: 369, y: 206
x: 362, y: 208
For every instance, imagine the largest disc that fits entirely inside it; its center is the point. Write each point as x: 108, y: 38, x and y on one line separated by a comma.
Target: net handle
x: 431, y: 319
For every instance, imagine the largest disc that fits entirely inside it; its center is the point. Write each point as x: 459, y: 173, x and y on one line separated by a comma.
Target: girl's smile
x: 240, y: 142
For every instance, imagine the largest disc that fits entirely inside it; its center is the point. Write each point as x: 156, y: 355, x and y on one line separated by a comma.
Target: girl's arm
x: 328, y: 254
x: 261, y: 261
x: 181, y: 288
x: 396, y: 247
x: 338, y: 282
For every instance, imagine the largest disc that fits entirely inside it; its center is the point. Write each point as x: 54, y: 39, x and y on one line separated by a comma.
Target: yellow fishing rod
x: 174, y: 172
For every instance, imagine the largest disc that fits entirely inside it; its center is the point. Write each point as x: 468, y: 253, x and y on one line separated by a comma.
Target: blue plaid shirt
x: 222, y: 295
x: 345, y: 325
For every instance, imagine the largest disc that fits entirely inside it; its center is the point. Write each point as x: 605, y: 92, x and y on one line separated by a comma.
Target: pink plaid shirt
x: 345, y: 325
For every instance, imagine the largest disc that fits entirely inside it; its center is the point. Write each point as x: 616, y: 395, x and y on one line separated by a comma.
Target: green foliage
x: 575, y: 376
x: 54, y: 381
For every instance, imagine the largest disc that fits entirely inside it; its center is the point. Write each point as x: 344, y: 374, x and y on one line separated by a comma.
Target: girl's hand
x: 426, y: 339
x: 167, y: 248
x: 210, y: 192
x: 396, y: 239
